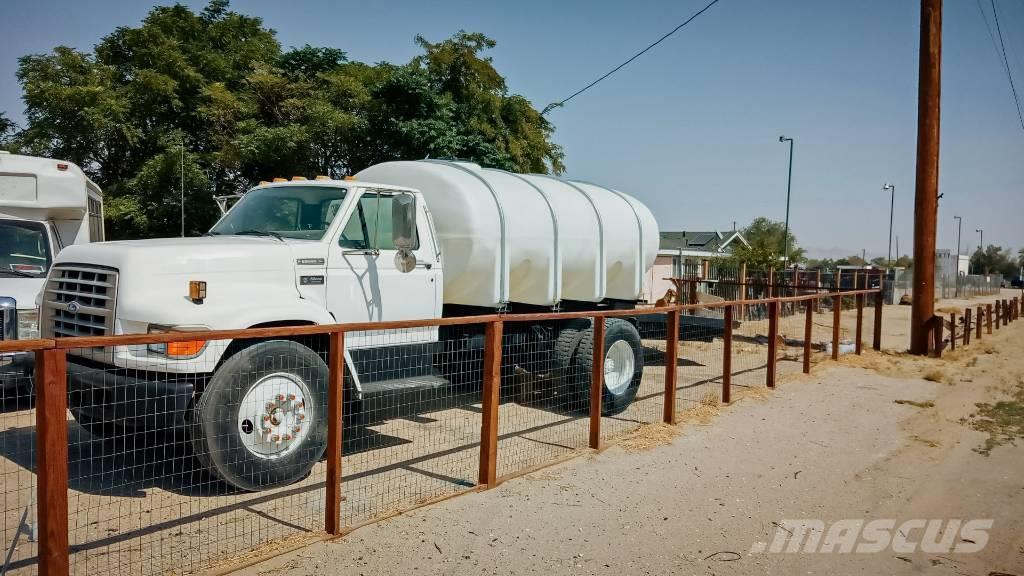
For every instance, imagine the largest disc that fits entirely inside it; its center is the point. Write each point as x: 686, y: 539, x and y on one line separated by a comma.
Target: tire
x: 249, y: 430
x: 622, y: 346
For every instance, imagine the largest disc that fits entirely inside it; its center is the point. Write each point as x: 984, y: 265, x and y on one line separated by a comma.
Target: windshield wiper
x: 19, y: 273
x: 260, y: 233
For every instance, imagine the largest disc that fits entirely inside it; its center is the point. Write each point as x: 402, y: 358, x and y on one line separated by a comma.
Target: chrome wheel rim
x: 275, y: 415
x: 619, y: 364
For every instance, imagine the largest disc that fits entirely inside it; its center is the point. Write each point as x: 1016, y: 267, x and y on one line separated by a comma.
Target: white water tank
x: 529, y: 239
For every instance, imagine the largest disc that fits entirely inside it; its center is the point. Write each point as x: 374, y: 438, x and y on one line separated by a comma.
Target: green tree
x: 767, y: 245
x: 7, y: 129
x: 993, y: 260
x: 246, y: 110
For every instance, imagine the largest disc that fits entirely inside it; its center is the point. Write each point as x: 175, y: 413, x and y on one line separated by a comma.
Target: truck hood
x: 168, y: 256
x: 241, y: 272
x: 23, y: 290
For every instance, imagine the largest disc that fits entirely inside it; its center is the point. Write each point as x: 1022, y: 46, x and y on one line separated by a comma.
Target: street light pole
x: 892, y: 206
x: 956, y: 269
x: 981, y: 241
x: 789, y: 187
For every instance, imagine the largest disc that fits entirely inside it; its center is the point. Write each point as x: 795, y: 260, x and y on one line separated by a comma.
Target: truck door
x: 363, y: 283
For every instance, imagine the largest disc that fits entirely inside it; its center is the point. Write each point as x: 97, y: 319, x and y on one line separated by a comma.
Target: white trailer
x: 45, y: 206
x: 403, y: 240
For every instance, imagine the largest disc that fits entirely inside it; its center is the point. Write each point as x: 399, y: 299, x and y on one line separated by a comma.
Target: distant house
x: 679, y: 250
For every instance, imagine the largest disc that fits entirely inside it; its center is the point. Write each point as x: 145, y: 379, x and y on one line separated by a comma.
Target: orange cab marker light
x: 197, y: 291
x: 298, y: 178
x: 350, y: 177
x: 263, y: 183
x: 280, y: 180
x: 322, y: 177
x: 187, y: 348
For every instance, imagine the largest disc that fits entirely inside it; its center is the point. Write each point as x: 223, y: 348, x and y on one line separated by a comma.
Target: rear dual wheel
x: 623, y: 364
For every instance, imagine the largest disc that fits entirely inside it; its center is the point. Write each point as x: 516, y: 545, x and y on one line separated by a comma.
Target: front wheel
x: 261, y: 422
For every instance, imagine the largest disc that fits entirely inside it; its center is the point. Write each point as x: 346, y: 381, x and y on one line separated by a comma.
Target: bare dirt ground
x: 880, y: 436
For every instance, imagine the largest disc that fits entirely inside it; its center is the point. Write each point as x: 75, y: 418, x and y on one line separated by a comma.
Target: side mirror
x: 403, y: 231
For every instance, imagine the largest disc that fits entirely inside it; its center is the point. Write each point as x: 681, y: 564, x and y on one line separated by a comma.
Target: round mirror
x: 405, y: 261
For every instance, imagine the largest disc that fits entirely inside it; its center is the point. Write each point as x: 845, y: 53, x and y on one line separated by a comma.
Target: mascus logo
x: 860, y: 536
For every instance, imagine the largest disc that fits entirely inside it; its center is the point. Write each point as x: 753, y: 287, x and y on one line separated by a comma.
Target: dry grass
x: 936, y: 375
x: 648, y: 437
x: 706, y: 410
x: 754, y: 392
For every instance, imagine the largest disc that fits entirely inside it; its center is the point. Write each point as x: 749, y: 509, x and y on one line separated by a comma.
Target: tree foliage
x: 995, y: 260
x: 219, y: 83
x: 767, y: 245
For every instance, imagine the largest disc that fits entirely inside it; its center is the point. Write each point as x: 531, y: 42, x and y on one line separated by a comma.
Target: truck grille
x: 79, y: 301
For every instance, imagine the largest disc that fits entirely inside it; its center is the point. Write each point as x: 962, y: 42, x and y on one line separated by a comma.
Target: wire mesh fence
x: 18, y: 464
x: 187, y: 449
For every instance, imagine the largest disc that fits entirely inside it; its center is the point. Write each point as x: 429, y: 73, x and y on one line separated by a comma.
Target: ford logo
x: 74, y: 307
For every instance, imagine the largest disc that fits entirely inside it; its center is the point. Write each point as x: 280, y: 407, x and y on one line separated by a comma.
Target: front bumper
x: 16, y: 370
x: 130, y: 399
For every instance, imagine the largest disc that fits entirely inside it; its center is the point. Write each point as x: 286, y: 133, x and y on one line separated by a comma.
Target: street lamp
x: 789, y: 186
x: 956, y: 266
x: 981, y: 241
x: 892, y: 205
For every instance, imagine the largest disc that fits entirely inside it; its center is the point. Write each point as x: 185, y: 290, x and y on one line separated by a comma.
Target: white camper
x: 45, y: 205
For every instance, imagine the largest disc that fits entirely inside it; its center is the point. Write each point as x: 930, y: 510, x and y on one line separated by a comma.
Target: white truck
x: 45, y: 205
x: 402, y: 240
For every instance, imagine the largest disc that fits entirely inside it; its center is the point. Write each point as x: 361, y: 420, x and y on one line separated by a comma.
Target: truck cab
x: 45, y: 205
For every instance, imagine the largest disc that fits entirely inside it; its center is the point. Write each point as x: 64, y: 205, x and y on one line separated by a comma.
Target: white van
x: 45, y: 205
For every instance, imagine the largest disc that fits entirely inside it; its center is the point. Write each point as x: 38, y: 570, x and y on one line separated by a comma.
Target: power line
x: 561, y: 103
x: 991, y: 34
x: 1006, y: 63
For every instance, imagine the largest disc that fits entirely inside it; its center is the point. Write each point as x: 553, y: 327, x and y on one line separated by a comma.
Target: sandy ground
x: 840, y: 443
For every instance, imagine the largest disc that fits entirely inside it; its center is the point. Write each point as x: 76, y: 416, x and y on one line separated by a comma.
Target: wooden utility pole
x: 926, y: 195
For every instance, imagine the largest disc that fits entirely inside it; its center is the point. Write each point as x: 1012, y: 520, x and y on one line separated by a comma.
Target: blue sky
x: 692, y: 127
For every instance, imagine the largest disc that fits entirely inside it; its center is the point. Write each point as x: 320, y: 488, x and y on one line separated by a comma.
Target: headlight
x: 28, y: 324
x: 177, y: 350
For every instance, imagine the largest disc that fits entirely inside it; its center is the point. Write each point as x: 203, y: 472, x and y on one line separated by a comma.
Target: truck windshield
x: 24, y: 248
x: 301, y: 212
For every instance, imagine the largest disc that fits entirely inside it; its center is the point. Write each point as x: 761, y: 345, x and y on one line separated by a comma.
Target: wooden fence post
x: 771, y: 282
x: 597, y: 383
x: 937, y: 336
x: 999, y: 318
x: 671, y: 360
x: 808, y: 325
x: 988, y: 318
x: 773, y: 342
x: 335, y: 398
x: 489, y: 402
x: 977, y: 328
x: 727, y: 357
x: 967, y: 326
x: 952, y: 330
x: 1006, y: 312
x: 876, y: 337
x: 859, y: 345
x: 743, y: 290
x: 837, y: 310
x: 817, y: 290
x: 52, y: 461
